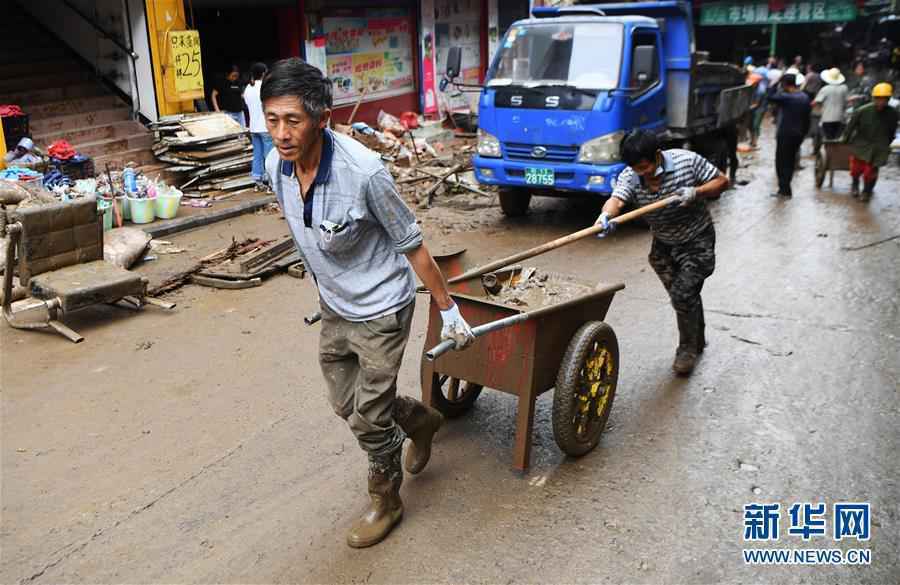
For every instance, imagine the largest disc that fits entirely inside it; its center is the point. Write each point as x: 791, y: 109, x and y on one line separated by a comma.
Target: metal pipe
x: 448, y: 344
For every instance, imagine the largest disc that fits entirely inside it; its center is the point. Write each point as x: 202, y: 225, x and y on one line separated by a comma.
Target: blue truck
x: 569, y: 82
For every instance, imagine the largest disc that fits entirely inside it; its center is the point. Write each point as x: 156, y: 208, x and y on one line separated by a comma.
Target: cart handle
x: 448, y: 344
x: 560, y: 242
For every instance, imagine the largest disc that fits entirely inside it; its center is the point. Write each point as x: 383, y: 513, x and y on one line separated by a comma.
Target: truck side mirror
x: 644, y: 58
x: 454, y: 62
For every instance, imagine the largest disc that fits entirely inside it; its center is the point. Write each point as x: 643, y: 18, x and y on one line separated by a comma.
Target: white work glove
x: 455, y: 328
x: 608, y: 226
x: 685, y: 196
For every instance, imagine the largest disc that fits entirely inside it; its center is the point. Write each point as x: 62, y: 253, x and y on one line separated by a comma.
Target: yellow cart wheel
x: 585, y: 388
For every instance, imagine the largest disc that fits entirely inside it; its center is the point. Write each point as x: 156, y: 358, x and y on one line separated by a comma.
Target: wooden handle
x: 558, y: 243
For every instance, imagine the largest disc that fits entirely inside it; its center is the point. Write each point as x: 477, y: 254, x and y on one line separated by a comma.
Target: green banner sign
x: 758, y: 13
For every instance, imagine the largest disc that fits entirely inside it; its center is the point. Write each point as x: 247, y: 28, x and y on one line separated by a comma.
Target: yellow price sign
x: 185, y: 66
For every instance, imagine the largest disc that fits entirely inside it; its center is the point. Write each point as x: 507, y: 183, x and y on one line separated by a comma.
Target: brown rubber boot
x: 420, y: 423
x: 867, y: 191
x: 701, y: 331
x: 385, y: 509
x: 686, y: 354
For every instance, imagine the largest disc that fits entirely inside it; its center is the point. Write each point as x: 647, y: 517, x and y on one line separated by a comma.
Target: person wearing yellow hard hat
x: 870, y: 133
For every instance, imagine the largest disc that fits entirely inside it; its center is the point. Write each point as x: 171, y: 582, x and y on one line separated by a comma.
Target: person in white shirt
x: 259, y: 135
x: 833, y: 100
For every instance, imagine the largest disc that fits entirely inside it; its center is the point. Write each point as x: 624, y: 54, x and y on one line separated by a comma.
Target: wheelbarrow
x: 566, y: 346
x: 833, y: 156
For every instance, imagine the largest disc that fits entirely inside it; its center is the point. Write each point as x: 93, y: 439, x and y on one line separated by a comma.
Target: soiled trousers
x: 360, y: 362
x: 683, y: 268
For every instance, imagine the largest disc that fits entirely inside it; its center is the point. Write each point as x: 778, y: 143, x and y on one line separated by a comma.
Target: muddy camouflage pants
x: 682, y: 268
x: 360, y: 362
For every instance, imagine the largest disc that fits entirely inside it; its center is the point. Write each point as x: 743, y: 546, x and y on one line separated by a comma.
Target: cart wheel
x: 585, y: 388
x: 820, y: 170
x: 452, y: 396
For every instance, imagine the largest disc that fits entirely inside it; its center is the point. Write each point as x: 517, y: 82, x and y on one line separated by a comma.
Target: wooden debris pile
x: 240, y: 265
x: 210, y: 153
x: 438, y: 176
x: 253, y: 263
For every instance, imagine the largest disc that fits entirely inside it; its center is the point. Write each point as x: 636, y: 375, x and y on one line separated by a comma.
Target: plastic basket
x: 167, y: 204
x: 77, y: 170
x: 142, y: 210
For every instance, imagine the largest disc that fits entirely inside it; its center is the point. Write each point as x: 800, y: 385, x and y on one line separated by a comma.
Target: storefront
x: 771, y: 19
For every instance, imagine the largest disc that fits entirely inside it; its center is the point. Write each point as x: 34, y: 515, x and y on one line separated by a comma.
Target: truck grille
x: 522, y: 152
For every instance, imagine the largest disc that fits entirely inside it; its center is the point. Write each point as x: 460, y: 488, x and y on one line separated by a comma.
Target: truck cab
x: 567, y: 84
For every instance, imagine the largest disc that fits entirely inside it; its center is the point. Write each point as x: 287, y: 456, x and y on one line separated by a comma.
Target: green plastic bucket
x: 142, y: 210
x: 104, y: 208
x: 167, y: 204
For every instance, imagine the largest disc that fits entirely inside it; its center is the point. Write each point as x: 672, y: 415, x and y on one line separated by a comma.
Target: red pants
x: 859, y: 167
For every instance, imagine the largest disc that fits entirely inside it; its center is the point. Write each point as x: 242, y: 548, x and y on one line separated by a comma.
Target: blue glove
x: 608, y: 226
x: 684, y: 196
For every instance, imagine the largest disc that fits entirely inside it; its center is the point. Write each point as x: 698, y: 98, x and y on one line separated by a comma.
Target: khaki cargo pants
x: 360, y: 362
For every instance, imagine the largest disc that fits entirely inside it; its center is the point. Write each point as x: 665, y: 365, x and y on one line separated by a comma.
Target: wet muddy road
x: 198, y: 447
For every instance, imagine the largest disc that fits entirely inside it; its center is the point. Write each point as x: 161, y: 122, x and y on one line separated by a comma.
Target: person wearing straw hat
x: 832, y: 99
x: 870, y: 133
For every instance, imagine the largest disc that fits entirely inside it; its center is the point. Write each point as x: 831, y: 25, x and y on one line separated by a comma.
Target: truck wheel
x: 585, y: 388
x: 514, y: 202
x: 453, y: 397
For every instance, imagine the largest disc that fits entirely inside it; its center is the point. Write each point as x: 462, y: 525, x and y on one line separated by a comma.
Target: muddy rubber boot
x: 854, y: 187
x: 420, y: 423
x: 701, y: 331
x: 385, y: 508
x: 867, y: 191
x: 686, y: 354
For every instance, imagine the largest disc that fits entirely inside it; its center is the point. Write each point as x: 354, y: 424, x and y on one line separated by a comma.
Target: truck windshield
x: 583, y: 55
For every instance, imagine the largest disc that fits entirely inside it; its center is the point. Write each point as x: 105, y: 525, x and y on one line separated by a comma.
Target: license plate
x: 543, y: 177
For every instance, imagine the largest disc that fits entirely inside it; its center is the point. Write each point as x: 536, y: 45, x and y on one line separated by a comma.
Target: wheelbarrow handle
x: 313, y: 318
x: 563, y: 241
x: 448, y: 344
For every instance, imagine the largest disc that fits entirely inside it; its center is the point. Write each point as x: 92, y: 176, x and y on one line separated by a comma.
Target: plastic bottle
x: 130, y: 180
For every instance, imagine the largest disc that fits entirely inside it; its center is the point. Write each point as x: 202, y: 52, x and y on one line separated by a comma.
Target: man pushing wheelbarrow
x: 683, y: 252
x: 870, y: 133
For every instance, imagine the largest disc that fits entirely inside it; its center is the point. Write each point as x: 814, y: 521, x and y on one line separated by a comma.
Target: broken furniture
x: 57, y: 251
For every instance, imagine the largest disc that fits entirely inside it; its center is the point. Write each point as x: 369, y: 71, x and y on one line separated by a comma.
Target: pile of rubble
x: 210, y: 154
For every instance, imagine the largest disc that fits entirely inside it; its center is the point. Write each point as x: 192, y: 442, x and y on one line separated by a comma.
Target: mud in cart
x: 566, y: 346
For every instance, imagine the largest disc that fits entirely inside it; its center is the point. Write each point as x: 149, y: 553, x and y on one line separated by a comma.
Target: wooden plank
x: 267, y: 254
x: 186, y: 223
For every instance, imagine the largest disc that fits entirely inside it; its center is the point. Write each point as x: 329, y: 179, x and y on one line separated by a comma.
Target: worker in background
x: 259, y: 135
x: 22, y: 154
x: 364, y: 248
x: 793, y: 126
x: 832, y: 99
x: 860, y: 85
x: 870, y: 132
x: 684, y: 239
x: 226, y: 96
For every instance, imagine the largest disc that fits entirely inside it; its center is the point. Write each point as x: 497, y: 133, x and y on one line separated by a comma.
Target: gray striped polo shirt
x: 352, y: 230
x: 680, y: 168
